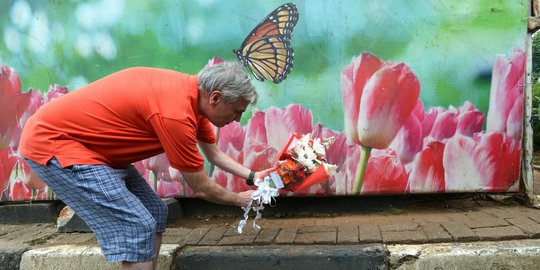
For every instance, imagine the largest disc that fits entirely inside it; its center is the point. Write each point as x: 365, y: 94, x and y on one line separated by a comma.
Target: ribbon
x: 263, y: 195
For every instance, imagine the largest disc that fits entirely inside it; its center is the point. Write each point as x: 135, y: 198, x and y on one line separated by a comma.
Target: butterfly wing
x: 267, y: 50
x: 269, y: 58
x: 280, y: 22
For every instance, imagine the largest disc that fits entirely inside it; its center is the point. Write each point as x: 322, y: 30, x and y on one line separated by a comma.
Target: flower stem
x: 365, y: 152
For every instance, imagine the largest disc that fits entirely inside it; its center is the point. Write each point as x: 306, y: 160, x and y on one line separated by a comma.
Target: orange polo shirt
x: 125, y: 117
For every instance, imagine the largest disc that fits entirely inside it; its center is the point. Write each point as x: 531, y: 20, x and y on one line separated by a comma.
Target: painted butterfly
x: 267, y: 50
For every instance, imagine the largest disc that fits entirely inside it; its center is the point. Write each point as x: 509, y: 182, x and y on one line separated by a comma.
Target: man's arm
x: 228, y: 164
x: 210, y: 191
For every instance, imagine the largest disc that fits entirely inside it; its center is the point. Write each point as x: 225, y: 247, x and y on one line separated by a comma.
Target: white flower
x: 328, y: 141
x: 330, y: 168
x: 306, y: 162
x: 310, y: 153
x: 318, y: 147
x: 305, y: 139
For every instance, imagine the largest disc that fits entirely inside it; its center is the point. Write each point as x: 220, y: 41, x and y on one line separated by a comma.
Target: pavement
x: 464, y: 231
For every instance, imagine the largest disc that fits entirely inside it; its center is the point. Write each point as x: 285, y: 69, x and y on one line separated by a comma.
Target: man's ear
x: 215, y: 97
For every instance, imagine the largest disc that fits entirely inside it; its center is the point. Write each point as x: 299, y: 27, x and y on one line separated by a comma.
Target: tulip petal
x: 280, y: 123
x: 353, y: 81
x: 488, y: 161
x: 385, y: 175
x: 507, y: 87
x: 389, y: 98
x: 427, y: 173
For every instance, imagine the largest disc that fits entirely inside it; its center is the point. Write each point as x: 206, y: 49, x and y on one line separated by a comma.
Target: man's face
x: 222, y: 113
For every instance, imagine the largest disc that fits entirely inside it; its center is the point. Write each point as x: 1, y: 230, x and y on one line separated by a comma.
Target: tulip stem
x: 365, y: 152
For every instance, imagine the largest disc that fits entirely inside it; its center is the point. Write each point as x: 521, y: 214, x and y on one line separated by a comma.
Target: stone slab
x: 369, y: 233
x: 176, y: 211
x: 23, y: 213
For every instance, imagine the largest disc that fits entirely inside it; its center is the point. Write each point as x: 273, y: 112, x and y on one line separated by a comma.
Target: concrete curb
x: 75, y: 257
x: 10, y: 255
x: 512, y: 254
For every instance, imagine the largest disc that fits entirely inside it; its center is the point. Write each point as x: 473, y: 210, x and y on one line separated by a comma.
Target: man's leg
x: 138, y: 266
x: 124, y: 228
x: 137, y: 185
x: 159, y: 237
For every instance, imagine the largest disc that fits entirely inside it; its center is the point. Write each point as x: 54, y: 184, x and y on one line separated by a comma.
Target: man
x: 83, y: 145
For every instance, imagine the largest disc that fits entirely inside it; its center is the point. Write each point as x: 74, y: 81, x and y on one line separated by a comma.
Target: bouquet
x: 301, y: 164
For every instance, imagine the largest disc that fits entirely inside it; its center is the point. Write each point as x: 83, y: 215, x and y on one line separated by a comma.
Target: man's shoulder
x: 150, y: 70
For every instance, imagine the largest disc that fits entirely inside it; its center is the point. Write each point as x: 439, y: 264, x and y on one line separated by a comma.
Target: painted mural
x: 420, y: 96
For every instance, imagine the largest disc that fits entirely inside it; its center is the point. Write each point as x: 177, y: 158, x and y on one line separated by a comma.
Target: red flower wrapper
x: 302, y: 163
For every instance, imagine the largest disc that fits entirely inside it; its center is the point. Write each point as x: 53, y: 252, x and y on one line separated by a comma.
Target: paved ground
x: 461, y: 220
x: 444, y: 222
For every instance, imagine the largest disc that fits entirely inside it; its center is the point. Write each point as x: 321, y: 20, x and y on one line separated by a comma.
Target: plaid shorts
x: 117, y: 204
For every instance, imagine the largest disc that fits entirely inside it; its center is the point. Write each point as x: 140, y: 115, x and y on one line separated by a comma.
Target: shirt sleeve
x: 179, y: 141
x: 206, y: 131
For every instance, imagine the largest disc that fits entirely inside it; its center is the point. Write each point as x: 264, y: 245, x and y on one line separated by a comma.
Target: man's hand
x: 263, y: 173
x: 245, y: 198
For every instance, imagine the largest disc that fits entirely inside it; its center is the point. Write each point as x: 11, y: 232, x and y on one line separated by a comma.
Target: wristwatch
x: 250, y: 178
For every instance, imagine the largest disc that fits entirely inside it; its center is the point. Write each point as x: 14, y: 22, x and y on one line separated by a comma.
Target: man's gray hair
x: 231, y: 79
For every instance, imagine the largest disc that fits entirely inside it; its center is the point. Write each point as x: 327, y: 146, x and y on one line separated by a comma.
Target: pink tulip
x: 444, y: 123
x: 12, y: 105
x: 441, y: 124
x: 158, y: 165
x: 353, y: 80
x: 487, y: 161
x: 231, y: 141
x: 506, y: 97
x: 409, y: 139
x: 142, y: 169
x: 231, y: 135
x: 268, y: 132
x: 168, y: 189
x: 7, y: 164
x: 514, y: 125
x: 29, y: 177
x: 346, y: 173
x: 19, y: 191
x: 388, y: 100
x: 55, y: 92
x: 378, y: 100
x: 335, y: 154
x: 385, y: 175
x: 427, y: 173
x: 280, y: 123
x: 227, y: 180
x: 470, y: 120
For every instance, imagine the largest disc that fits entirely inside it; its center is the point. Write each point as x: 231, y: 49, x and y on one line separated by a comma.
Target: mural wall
x: 421, y: 96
